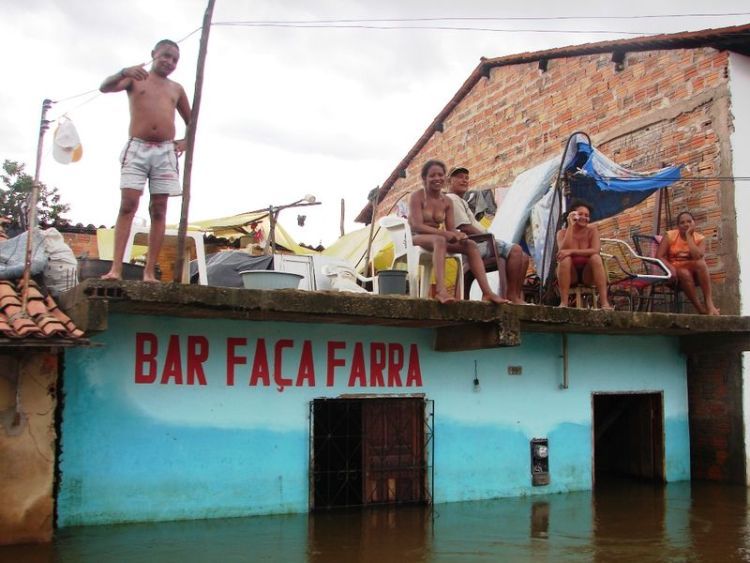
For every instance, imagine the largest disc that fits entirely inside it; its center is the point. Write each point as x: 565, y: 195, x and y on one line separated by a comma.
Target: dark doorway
x: 628, y: 436
x: 369, y: 451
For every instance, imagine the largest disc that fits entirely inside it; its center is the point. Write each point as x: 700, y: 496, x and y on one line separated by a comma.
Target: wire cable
x: 314, y: 25
x: 74, y: 108
x: 687, y: 178
x: 60, y: 101
x: 96, y: 90
x: 507, y: 18
x: 367, y: 24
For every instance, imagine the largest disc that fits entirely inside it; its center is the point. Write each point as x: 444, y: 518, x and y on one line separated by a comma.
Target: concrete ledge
x: 484, y: 324
x: 498, y: 334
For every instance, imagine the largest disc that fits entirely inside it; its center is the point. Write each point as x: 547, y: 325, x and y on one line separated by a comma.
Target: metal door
x: 371, y: 451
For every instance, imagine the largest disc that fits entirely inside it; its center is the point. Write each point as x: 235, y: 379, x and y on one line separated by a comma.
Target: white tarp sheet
x: 527, y: 189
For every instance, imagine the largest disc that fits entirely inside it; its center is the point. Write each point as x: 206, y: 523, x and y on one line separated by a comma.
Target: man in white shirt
x: 516, y: 261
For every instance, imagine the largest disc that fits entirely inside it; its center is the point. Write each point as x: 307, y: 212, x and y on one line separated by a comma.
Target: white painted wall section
x: 739, y: 88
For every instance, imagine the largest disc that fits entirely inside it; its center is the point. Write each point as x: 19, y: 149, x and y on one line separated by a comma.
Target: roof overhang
x: 464, y: 325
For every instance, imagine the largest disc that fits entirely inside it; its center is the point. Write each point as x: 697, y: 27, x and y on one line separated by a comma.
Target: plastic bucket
x: 392, y: 282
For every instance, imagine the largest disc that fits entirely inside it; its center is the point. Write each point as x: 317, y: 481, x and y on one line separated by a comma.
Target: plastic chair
x: 345, y: 278
x: 415, y: 257
x: 170, y: 237
x: 631, y: 276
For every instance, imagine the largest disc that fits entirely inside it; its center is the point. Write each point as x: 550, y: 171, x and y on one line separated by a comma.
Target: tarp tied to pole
x: 609, y: 187
x: 534, y: 196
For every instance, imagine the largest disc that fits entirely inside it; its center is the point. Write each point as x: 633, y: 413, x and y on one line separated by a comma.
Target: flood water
x: 624, y: 521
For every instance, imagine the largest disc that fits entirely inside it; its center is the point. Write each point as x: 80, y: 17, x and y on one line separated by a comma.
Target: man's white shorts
x: 155, y: 161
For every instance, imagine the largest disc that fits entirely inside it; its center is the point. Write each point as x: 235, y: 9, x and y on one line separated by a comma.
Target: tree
x: 15, y: 192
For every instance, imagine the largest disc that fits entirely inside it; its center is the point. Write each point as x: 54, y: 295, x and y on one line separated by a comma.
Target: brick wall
x: 717, y: 451
x: 167, y: 258
x: 664, y: 107
x: 82, y: 244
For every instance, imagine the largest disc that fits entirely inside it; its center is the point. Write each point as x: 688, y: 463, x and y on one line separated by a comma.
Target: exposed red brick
x: 715, y: 407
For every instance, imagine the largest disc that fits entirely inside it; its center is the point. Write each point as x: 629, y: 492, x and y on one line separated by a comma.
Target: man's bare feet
x: 607, y: 307
x: 444, y: 297
x: 519, y: 301
x: 150, y: 279
x: 494, y: 298
x: 111, y: 276
x: 712, y: 311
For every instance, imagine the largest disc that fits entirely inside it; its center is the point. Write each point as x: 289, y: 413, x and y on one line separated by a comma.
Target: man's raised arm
x: 123, y: 79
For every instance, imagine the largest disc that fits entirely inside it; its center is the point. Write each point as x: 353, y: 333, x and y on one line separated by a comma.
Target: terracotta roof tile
x: 43, y: 318
x: 735, y: 38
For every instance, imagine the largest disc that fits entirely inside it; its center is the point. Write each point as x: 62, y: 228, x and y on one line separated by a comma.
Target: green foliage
x: 16, y: 189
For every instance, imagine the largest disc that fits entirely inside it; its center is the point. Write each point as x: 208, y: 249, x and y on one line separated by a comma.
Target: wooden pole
x: 272, y: 214
x: 656, y: 225
x: 31, y: 217
x: 375, y: 200
x: 341, y: 222
x: 190, y: 137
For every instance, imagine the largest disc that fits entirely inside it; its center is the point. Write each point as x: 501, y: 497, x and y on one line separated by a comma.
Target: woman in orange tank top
x: 683, y: 251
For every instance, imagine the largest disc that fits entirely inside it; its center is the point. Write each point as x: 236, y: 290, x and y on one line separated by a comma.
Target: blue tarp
x: 594, y: 178
x: 609, y: 187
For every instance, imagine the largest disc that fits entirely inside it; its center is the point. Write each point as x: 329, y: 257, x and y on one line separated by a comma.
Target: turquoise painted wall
x: 158, y: 451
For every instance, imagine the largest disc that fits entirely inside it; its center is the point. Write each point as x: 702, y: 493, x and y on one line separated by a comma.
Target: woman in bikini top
x: 578, y: 258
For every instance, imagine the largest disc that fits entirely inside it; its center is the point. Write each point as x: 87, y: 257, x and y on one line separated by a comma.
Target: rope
x: 96, y: 91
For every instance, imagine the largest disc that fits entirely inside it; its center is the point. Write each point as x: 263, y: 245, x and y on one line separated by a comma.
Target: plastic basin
x: 269, y: 279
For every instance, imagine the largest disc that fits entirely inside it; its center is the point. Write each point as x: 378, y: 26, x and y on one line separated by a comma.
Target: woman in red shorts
x: 683, y: 251
x: 578, y: 257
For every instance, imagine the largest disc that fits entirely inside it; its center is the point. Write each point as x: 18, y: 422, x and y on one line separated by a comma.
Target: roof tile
x: 42, y: 319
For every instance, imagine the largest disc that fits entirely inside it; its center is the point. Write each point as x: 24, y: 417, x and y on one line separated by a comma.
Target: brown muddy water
x: 625, y: 521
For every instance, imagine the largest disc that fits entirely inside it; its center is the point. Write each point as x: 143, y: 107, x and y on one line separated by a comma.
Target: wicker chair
x: 631, y: 277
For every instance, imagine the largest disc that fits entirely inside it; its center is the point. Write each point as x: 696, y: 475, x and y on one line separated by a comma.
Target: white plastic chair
x: 344, y: 278
x: 415, y: 257
x: 170, y: 237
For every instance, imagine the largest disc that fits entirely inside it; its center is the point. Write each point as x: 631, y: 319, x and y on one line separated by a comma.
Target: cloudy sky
x: 286, y: 110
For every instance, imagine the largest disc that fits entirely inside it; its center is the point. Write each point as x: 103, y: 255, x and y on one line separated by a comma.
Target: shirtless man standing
x: 151, y: 152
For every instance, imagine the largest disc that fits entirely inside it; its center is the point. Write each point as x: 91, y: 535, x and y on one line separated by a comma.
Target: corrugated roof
x: 735, y: 38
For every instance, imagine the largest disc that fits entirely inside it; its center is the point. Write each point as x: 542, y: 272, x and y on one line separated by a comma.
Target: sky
x: 286, y: 111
